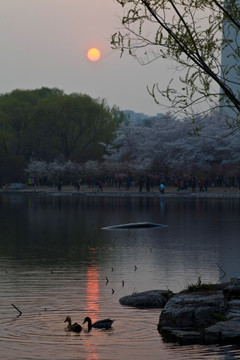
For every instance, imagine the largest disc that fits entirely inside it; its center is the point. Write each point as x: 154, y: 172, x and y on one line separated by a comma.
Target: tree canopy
x: 47, y: 124
x: 190, y: 33
x: 165, y: 145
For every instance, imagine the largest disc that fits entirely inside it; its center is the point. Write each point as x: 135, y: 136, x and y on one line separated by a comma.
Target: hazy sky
x: 45, y: 42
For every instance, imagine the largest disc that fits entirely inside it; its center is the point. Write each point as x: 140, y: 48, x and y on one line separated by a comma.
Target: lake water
x: 55, y: 258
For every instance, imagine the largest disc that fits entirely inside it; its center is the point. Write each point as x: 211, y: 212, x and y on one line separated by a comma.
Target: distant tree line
x: 47, y: 135
x: 157, y: 149
x: 46, y: 124
x: 170, y: 147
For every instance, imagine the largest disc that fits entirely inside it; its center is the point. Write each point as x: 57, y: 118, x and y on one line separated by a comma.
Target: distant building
x: 132, y: 116
x: 230, y: 65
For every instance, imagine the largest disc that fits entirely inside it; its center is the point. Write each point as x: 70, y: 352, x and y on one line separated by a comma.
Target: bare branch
x: 20, y: 313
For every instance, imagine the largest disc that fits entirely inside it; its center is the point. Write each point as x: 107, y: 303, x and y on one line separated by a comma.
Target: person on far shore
x: 201, y: 185
x: 141, y: 182
x: 78, y: 184
x: 193, y: 184
x: 119, y: 183
x: 128, y: 183
x: 100, y: 185
x: 206, y: 184
x: 59, y: 185
x: 178, y: 185
x: 162, y: 188
x: 148, y: 184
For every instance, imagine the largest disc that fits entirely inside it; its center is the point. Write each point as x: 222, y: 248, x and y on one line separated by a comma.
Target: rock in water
x: 147, y: 299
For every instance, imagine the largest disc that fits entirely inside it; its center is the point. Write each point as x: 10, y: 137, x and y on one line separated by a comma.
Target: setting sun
x: 93, y: 54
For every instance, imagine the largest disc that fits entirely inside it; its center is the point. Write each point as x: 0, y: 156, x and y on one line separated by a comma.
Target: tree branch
x: 196, y: 58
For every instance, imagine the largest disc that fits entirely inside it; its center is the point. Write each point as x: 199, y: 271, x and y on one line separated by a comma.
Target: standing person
x: 59, y: 185
x: 178, y: 185
x: 100, y: 185
x: 141, y: 184
x: 90, y: 182
x: 148, y: 184
x: 193, y: 184
x: 119, y: 183
x: 128, y: 183
x: 201, y: 185
x: 206, y: 184
x: 162, y: 188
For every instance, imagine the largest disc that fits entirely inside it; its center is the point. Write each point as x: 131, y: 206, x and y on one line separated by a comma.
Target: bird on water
x: 72, y: 327
x: 101, y: 324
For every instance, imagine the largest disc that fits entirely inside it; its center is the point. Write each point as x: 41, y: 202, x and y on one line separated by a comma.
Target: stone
x: 223, y: 332
x: 232, y: 292
x: 182, y: 337
x: 147, y: 299
x: 206, y: 317
x: 192, y: 310
x: 187, y: 316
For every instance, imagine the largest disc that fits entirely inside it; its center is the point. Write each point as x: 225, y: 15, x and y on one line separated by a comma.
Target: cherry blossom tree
x: 171, y: 144
x: 37, y: 169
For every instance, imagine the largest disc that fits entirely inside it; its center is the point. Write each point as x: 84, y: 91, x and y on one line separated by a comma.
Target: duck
x: 101, y: 324
x: 72, y: 327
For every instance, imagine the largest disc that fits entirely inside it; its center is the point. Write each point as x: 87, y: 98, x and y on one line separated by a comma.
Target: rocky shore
x: 203, y: 314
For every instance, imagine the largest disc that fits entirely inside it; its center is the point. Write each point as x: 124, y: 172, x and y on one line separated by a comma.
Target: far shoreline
x: 170, y: 192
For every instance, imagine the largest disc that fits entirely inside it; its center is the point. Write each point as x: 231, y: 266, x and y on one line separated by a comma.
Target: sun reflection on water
x: 92, y: 296
x: 92, y: 291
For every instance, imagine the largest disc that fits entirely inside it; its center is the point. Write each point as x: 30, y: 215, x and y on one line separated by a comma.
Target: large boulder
x: 147, y: 299
x: 204, y: 318
x: 186, y: 315
x: 192, y: 310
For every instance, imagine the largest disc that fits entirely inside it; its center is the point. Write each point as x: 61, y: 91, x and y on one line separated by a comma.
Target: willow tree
x: 189, y: 33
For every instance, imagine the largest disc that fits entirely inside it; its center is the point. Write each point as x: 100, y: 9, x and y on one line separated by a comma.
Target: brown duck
x: 72, y: 327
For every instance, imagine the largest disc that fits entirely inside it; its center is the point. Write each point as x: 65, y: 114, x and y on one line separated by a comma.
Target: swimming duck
x: 72, y: 327
x: 101, y: 324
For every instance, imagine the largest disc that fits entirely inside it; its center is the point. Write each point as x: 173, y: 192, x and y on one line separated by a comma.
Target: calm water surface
x: 55, y: 257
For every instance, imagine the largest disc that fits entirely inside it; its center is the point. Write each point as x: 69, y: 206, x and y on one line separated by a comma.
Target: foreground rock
x: 147, y: 299
x: 205, y: 317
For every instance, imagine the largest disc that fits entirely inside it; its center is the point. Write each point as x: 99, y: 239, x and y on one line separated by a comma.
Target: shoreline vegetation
x: 171, y: 191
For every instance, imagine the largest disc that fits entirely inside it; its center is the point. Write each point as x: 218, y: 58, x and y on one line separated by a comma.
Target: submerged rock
x: 138, y: 225
x: 147, y: 299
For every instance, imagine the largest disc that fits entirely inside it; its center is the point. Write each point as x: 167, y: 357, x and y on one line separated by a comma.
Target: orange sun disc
x: 93, y: 54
